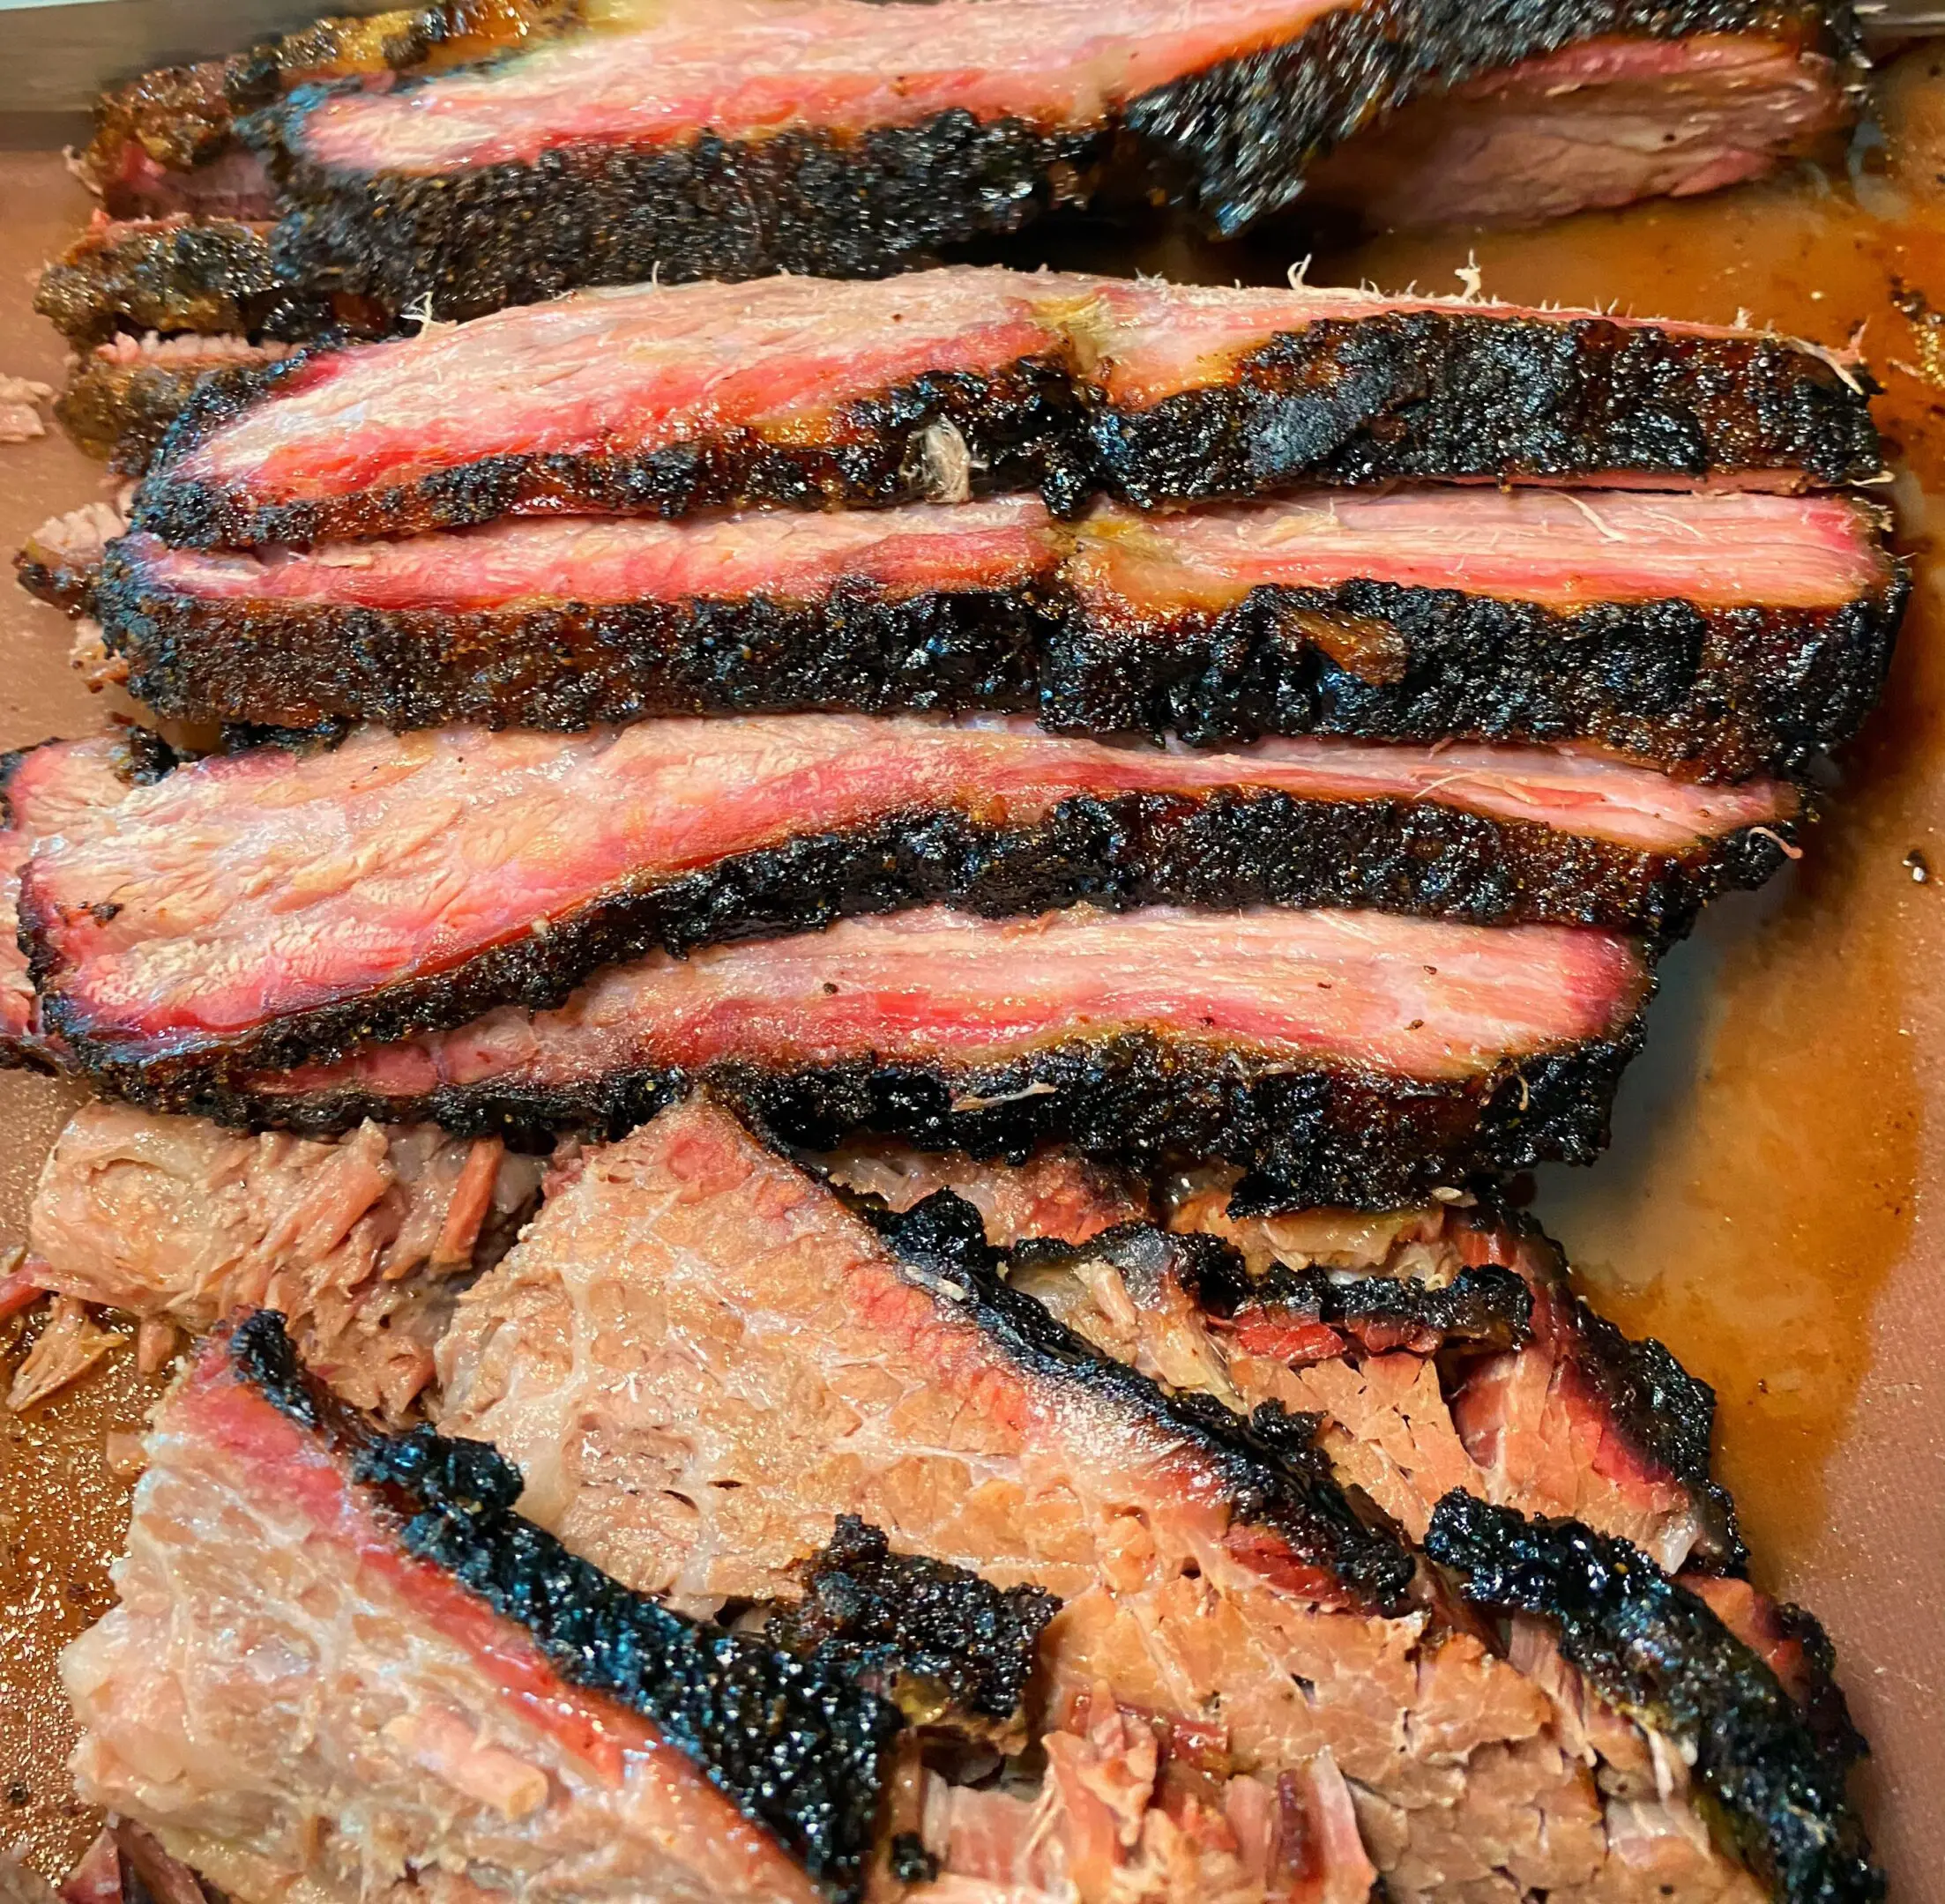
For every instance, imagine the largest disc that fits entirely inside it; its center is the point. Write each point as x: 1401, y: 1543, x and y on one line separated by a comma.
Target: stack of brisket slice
x: 466, y: 157
x: 1029, y: 847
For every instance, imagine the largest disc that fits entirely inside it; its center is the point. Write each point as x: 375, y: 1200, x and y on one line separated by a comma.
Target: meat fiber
x: 61, y: 561
x: 1723, y: 634
x: 340, y: 1661
x: 828, y: 136
x: 1605, y: 122
x: 56, y: 789
x: 1352, y: 1057
x: 700, y: 1360
x: 656, y: 400
x: 362, y: 1243
x: 254, y: 906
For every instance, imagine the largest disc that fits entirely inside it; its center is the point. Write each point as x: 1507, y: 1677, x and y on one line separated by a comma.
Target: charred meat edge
x: 1325, y: 1134
x: 1272, y: 1470
x: 1654, y: 1651
x: 800, y: 1749
x: 1219, y: 852
x: 1723, y: 692
x: 1232, y: 142
x: 1444, y: 393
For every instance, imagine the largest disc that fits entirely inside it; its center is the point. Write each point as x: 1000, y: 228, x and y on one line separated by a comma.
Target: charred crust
x: 1237, y: 139
x: 950, y: 1650
x: 1657, y: 1653
x: 1485, y: 1308
x: 1273, y: 1472
x: 800, y: 1749
x: 1719, y: 693
x: 1220, y: 851
x: 122, y: 411
x: 1013, y: 422
x: 68, y: 586
x: 817, y: 204
x: 1723, y: 693
x: 1406, y: 394
x: 1319, y: 1136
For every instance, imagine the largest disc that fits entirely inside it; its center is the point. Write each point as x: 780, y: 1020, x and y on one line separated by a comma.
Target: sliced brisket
x: 338, y: 1655
x: 840, y: 139
x: 701, y: 1360
x: 254, y: 908
x: 648, y: 401
x: 1723, y: 634
x: 123, y: 395
x: 362, y: 1243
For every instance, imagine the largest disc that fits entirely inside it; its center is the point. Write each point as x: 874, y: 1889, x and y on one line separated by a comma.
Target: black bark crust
x: 1717, y: 693
x: 121, y: 412
x: 1657, y: 1653
x: 1014, y: 424
x: 951, y: 1651
x: 1219, y: 852
x: 1271, y: 1470
x: 1453, y: 393
x: 801, y: 1749
x: 1232, y: 143
x: 208, y: 275
x: 1324, y: 1134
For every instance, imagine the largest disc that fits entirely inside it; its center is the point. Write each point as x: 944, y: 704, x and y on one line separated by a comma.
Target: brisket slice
x: 1350, y: 1058
x: 1603, y: 123
x: 842, y: 141
x: 361, y: 1242
x: 1660, y: 1654
x: 59, y: 787
x: 701, y: 1359
x: 166, y: 142
x: 658, y: 400
x: 1719, y: 634
x: 254, y: 908
x: 61, y: 561
x: 338, y: 1652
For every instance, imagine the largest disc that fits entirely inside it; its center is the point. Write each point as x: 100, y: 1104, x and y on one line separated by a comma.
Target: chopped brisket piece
x: 1719, y: 634
x: 255, y: 906
x: 175, y: 273
x: 1349, y: 1058
x: 123, y: 394
x: 330, y: 1642
x: 1657, y: 1653
x: 658, y: 400
x: 945, y: 1647
x: 1603, y: 123
x: 166, y: 142
x: 362, y: 1243
x: 60, y: 787
x: 62, y: 561
x: 840, y: 140
x: 703, y: 1359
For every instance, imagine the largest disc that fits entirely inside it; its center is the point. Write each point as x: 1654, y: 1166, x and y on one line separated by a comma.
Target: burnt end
x: 573, y: 666
x: 1455, y: 394
x: 1722, y: 693
x: 1222, y: 851
x: 1272, y: 1470
x: 66, y: 586
x: 1655, y: 1651
x: 211, y: 275
x: 950, y: 1650
x: 1014, y: 424
x: 821, y: 204
x: 802, y: 1750
x: 1235, y: 141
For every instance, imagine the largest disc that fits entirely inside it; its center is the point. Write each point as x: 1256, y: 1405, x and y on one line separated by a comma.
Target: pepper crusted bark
x: 122, y: 395
x: 858, y: 393
x: 1230, y: 139
x: 798, y: 1747
x: 1660, y: 1655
